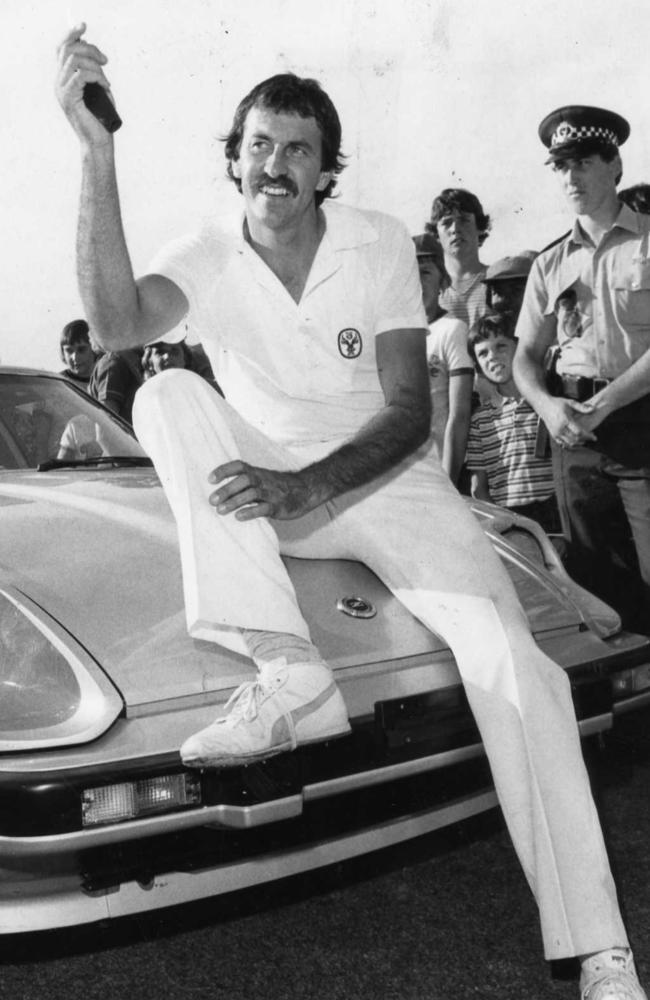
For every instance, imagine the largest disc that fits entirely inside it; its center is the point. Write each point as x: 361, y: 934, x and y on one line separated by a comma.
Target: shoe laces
x: 245, y: 701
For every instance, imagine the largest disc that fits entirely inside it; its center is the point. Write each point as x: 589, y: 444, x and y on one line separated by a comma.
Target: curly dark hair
x: 452, y: 200
x: 287, y: 93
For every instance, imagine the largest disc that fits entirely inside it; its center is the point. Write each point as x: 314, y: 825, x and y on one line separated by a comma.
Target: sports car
x: 100, y: 683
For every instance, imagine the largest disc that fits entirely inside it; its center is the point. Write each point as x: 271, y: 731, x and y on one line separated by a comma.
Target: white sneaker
x: 284, y: 707
x: 610, y: 975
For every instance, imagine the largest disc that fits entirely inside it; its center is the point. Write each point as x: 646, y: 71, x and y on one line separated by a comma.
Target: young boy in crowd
x: 501, y: 453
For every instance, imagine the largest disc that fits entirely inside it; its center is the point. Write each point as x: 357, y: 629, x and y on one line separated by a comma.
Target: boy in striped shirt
x: 501, y: 454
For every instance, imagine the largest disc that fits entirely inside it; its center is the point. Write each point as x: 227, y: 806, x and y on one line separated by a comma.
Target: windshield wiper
x: 75, y: 463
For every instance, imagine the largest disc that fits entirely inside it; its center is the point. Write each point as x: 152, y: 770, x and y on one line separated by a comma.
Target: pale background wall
x: 431, y: 93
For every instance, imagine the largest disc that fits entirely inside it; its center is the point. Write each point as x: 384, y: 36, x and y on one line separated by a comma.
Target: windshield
x: 44, y: 419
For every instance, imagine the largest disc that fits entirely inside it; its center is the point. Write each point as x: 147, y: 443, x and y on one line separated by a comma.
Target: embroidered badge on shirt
x: 350, y: 343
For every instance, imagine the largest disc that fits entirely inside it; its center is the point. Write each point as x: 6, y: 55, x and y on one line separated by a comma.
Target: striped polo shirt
x: 502, y: 444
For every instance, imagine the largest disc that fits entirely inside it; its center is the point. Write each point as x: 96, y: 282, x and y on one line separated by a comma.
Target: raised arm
x: 396, y: 431
x: 121, y: 312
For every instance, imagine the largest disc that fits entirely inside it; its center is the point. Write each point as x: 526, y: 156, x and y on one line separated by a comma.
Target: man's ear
x: 324, y: 179
x: 236, y: 169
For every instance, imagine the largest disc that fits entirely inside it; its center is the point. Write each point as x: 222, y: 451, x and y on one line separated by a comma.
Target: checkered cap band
x: 569, y: 133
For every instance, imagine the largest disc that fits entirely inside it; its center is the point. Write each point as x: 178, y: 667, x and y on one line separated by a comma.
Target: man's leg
x: 237, y: 591
x: 635, y: 494
x: 418, y: 535
x: 601, y: 554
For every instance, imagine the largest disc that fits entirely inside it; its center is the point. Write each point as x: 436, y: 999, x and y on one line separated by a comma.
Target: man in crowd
x: 590, y: 293
x: 326, y: 456
x: 77, y: 352
x: 115, y: 379
x: 505, y: 282
x: 462, y: 227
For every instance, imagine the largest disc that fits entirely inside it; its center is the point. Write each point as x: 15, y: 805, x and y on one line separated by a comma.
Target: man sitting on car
x: 311, y: 314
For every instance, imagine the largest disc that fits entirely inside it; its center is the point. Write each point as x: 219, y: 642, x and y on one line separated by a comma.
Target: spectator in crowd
x: 501, y: 454
x: 462, y: 227
x: 115, y: 379
x: 590, y: 292
x: 322, y: 451
x: 77, y: 352
x: 451, y: 371
x: 637, y: 197
x: 161, y: 355
x: 505, y: 282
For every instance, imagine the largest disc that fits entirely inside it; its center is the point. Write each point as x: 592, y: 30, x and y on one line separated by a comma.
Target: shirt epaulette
x: 554, y: 243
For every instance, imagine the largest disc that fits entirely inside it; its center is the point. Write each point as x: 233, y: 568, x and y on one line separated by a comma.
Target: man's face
x: 79, y: 358
x: 588, y: 182
x: 430, y: 278
x: 165, y: 356
x: 279, y: 167
x: 507, y: 294
x: 494, y: 357
x: 458, y: 234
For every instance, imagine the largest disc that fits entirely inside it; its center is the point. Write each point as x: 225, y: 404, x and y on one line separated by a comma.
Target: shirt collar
x: 345, y: 228
x: 626, y: 219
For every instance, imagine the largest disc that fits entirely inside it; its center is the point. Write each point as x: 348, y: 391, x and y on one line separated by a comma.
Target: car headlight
x: 51, y: 692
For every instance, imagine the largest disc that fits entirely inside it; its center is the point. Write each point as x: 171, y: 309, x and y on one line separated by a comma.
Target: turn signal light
x: 132, y: 799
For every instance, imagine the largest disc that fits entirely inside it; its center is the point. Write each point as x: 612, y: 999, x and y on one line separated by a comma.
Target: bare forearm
x: 386, y: 440
x: 628, y: 387
x: 104, y: 272
x: 453, y: 452
x: 528, y: 371
x: 396, y: 431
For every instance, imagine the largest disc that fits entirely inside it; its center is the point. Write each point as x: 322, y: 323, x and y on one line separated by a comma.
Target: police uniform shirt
x: 302, y: 373
x: 598, y: 298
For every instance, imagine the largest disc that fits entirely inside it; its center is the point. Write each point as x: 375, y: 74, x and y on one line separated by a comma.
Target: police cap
x: 579, y: 130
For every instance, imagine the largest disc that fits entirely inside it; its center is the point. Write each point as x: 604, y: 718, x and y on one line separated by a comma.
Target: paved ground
x: 449, y: 918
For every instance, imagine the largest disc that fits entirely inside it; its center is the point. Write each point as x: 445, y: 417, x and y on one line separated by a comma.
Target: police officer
x: 589, y: 294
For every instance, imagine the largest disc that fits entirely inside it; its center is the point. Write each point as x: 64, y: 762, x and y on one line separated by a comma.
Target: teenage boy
x: 77, y: 352
x: 458, y: 219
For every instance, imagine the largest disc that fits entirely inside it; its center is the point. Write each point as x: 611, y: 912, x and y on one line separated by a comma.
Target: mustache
x: 283, y: 181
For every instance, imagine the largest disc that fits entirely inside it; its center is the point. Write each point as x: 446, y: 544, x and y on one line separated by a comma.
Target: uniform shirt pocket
x: 632, y: 293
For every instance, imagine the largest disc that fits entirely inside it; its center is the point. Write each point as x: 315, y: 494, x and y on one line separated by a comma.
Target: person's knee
x: 169, y: 389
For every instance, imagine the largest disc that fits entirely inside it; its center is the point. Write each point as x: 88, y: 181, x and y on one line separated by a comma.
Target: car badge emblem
x: 356, y: 607
x: 350, y: 343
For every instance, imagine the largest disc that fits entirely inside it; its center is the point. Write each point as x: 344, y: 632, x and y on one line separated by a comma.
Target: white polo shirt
x: 302, y: 373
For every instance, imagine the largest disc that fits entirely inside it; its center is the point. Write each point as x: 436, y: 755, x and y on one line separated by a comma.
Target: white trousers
x: 415, y: 532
